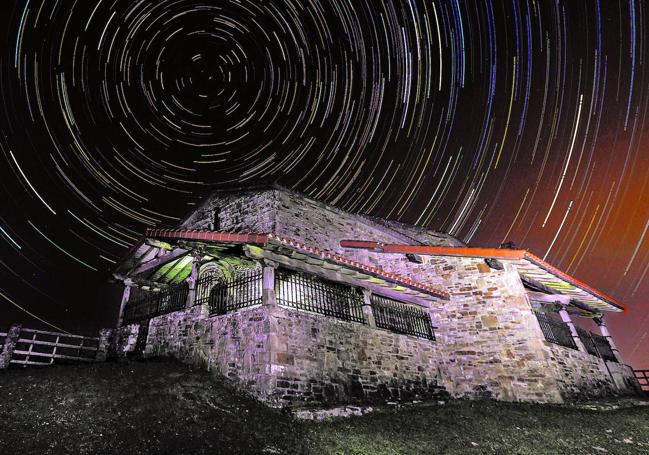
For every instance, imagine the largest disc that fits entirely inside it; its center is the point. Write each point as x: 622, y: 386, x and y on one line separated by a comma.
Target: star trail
x: 494, y: 121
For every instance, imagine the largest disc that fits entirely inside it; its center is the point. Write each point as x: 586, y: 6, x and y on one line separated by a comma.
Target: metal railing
x: 596, y: 345
x: 311, y: 293
x: 587, y: 341
x: 603, y: 347
x: 203, y: 287
x: 154, y: 304
x: 401, y: 318
x: 554, y: 331
x: 243, y: 290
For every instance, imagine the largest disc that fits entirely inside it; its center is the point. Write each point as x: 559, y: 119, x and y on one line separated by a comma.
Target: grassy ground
x: 166, y: 407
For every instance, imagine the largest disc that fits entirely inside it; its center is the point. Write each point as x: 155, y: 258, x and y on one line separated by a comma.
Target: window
x: 401, y: 318
x: 311, y: 293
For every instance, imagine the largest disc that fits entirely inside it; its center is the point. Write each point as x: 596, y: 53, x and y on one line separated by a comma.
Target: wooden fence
x: 643, y: 378
x: 22, y: 346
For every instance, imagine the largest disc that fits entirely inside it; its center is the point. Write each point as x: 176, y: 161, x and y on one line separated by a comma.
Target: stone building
x: 299, y: 302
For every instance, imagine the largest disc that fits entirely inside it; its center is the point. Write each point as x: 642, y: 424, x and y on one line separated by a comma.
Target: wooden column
x: 191, y: 281
x: 125, y: 296
x: 367, y: 308
x: 13, y: 334
x: 268, y: 286
x: 565, y: 317
x: 603, y: 330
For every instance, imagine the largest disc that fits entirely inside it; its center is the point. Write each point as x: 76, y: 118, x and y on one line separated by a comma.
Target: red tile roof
x: 496, y: 253
x: 265, y: 239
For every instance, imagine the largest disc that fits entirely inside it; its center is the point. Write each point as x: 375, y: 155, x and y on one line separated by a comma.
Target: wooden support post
x: 104, y: 345
x: 13, y: 334
x: 603, y: 330
x: 191, y: 281
x: 565, y: 317
x: 268, y: 286
x: 125, y: 296
x: 367, y: 308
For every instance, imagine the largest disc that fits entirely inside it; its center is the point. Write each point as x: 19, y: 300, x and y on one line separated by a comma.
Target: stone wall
x: 325, y: 360
x: 234, y: 346
x: 582, y: 376
x: 291, y: 215
x: 625, y: 379
x: 238, y: 212
x: 289, y: 357
x: 489, y: 341
x: 125, y: 339
x: 419, y: 234
x: 323, y: 226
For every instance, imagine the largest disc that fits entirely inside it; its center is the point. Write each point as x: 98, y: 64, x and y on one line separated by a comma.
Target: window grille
x: 204, y: 285
x: 152, y: 304
x: 596, y: 345
x: 587, y: 341
x: 603, y: 347
x: 311, y: 293
x: 401, y: 318
x: 243, y: 290
x: 554, y: 331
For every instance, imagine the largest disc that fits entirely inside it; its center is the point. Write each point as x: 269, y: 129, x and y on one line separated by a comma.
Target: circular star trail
x: 520, y: 121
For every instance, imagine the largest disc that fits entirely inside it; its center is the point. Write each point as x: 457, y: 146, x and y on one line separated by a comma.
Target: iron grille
x: 203, y: 287
x: 586, y: 338
x: 243, y: 290
x: 311, y: 293
x: 401, y: 318
x: 603, y: 347
x: 554, y: 331
x: 152, y: 304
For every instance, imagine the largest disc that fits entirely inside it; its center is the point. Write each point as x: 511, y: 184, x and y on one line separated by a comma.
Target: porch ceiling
x: 325, y: 261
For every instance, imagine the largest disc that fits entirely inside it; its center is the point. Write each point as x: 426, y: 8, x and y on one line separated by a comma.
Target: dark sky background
x: 515, y: 120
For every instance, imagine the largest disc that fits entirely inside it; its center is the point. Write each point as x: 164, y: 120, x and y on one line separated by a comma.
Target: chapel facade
x: 298, y: 302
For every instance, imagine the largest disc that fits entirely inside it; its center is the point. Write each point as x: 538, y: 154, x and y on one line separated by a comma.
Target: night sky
x: 513, y: 120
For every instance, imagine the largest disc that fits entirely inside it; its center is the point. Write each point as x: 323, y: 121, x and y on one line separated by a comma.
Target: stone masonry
x: 489, y: 343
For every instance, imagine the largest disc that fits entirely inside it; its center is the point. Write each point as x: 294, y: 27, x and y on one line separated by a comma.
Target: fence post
x: 606, y: 334
x: 105, y: 339
x: 268, y: 286
x: 13, y: 334
x: 367, y: 308
x: 565, y: 317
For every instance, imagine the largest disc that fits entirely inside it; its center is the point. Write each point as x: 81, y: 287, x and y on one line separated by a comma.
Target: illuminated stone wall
x: 492, y: 342
x: 238, y: 212
x: 323, y: 226
x: 489, y: 343
x: 289, y: 357
x: 321, y: 359
x: 294, y: 216
x: 581, y: 375
x: 234, y: 346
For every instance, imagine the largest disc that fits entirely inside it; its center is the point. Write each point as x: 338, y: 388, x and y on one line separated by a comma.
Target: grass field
x: 165, y: 407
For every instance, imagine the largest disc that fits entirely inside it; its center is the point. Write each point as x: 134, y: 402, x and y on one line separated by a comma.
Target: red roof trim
x: 497, y: 253
x: 572, y: 280
x: 208, y: 236
x: 325, y: 254
x: 263, y: 239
